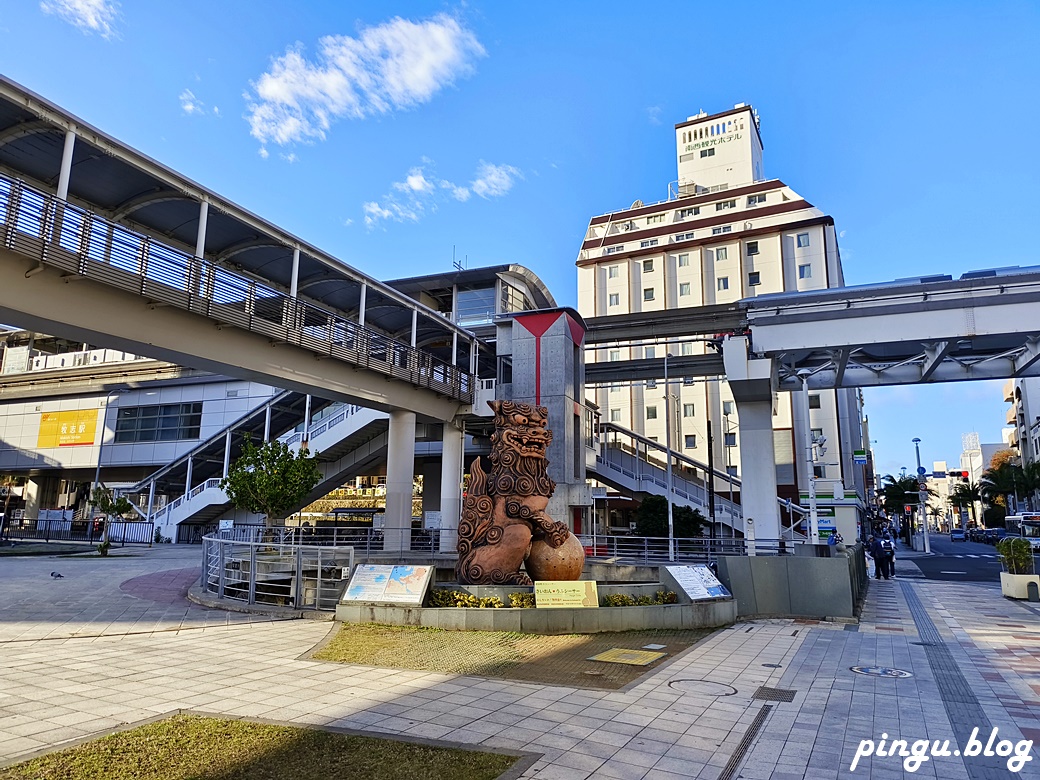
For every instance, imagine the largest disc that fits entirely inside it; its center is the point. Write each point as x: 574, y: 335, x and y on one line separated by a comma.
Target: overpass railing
x: 64, y: 236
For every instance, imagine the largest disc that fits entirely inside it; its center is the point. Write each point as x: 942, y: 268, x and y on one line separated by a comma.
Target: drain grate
x: 774, y: 694
x: 745, y: 743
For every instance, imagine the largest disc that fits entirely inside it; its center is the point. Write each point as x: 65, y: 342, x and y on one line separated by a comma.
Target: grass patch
x: 550, y: 660
x: 202, y: 748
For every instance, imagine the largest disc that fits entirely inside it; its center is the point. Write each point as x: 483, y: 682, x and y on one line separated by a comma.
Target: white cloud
x: 290, y: 158
x: 653, y: 113
x: 842, y: 234
x: 409, y: 200
x: 190, y: 104
x: 393, y: 66
x: 90, y: 16
x: 494, y: 181
x: 264, y: 154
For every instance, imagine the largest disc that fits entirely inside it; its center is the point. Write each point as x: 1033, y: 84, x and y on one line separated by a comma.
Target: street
x: 954, y: 561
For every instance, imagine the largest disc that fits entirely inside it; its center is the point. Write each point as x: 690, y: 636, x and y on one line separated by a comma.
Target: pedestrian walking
x: 884, y: 552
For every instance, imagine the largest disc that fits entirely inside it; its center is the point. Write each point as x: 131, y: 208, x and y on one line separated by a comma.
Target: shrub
x: 624, y: 600
x: 521, y: 600
x: 442, y: 597
x: 1016, y: 555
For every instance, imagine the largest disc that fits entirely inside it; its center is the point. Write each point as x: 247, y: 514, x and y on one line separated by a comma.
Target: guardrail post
x: 220, y: 576
x: 317, y: 582
x: 251, y: 598
x: 298, y: 601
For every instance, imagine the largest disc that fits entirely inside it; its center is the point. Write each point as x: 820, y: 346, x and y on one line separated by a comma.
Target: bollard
x: 1033, y: 591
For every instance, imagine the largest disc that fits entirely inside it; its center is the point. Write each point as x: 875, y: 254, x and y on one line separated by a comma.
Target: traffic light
x: 908, y: 508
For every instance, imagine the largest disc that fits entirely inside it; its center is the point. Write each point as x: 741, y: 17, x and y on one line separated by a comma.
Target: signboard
x: 432, y: 520
x: 697, y: 582
x: 389, y: 584
x: 73, y: 428
x: 225, y: 525
x: 565, y: 593
x: 859, y: 457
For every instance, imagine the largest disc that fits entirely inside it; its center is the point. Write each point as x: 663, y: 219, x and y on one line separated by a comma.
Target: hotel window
x: 656, y: 218
x: 820, y: 472
x: 752, y: 248
x: 816, y: 433
x: 803, y: 239
x: 651, y: 412
x: 648, y: 266
x: 690, y: 212
x: 687, y: 348
x: 722, y: 283
x: 650, y: 352
x: 691, y: 441
x: 722, y: 253
x: 687, y: 410
x: 684, y: 236
x: 684, y: 260
x: 805, y: 271
x: 648, y: 294
x: 648, y: 243
x: 615, y: 415
x: 754, y: 278
x: 615, y: 388
x: 613, y: 355
x: 707, y: 152
x: 613, y: 271
x: 814, y: 400
x: 611, y: 250
x: 684, y: 289
x: 754, y: 200
x: 724, y: 229
x: 725, y: 204
x: 614, y: 299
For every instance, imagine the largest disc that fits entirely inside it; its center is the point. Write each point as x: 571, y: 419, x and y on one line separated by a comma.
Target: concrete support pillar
x: 267, y: 424
x: 758, y: 468
x: 227, y: 452
x: 294, y: 281
x: 361, y: 305
x: 65, y: 172
x: 31, y: 494
x: 151, y: 499
x: 400, y: 467
x: 415, y: 326
x: 305, y: 442
x: 200, y: 238
x: 453, y: 442
x: 187, y: 478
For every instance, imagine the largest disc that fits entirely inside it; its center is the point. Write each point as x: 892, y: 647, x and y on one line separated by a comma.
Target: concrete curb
x: 197, y: 595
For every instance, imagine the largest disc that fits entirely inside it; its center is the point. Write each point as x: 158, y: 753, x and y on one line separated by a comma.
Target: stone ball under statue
x: 565, y: 562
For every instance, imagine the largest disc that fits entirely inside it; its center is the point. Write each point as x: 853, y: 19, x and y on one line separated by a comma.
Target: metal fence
x: 302, y: 576
x: 654, y: 549
x: 59, y: 234
x: 119, y: 533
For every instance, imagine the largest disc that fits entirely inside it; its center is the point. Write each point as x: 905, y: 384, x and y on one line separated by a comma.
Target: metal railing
x: 654, y: 549
x: 301, y: 576
x: 58, y: 234
x: 79, y: 530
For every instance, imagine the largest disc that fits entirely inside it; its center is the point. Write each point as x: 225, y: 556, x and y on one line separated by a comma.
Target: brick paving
x: 114, y: 642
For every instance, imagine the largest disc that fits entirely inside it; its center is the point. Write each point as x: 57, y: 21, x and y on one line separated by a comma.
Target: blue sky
x: 394, y: 134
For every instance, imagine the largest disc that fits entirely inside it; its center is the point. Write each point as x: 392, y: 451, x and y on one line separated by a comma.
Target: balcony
x: 1009, y: 391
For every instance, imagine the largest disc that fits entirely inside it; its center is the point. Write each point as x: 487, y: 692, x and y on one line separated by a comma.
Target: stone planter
x: 1016, y: 586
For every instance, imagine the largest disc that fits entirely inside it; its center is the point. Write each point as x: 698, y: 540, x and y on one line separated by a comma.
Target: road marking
x: 953, y: 572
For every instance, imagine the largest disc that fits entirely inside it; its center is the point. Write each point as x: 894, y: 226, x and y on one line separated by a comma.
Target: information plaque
x: 697, y: 582
x: 565, y: 593
x: 389, y: 584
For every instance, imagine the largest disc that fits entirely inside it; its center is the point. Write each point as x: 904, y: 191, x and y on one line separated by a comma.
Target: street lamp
x: 921, y: 495
x: 668, y: 458
x: 101, y: 445
x: 810, y: 471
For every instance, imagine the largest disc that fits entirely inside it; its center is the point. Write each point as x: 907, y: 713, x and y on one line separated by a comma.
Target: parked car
x: 993, y: 535
x: 957, y: 535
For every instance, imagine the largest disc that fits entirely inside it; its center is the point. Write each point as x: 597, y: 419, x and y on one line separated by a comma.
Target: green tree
x: 966, y: 494
x: 896, y: 493
x: 110, y: 506
x: 1001, y: 481
x: 652, y: 519
x: 270, y: 480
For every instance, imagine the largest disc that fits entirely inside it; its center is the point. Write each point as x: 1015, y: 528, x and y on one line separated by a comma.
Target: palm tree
x: 1031, y: 482
x: 1000, y: 482
x: 966, y: 494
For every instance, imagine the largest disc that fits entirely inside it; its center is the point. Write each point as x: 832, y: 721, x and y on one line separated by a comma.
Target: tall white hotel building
x: 725, y: 233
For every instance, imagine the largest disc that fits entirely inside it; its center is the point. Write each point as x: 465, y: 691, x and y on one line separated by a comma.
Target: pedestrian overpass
x: 100, y: 243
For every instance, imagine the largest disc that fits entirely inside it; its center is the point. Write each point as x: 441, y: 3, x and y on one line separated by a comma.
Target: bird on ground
x: 57, y: 576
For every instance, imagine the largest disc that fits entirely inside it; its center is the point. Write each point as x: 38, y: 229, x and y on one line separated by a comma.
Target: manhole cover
x: 774, y: 694
x: 881, y: 671
x: 702, y: 687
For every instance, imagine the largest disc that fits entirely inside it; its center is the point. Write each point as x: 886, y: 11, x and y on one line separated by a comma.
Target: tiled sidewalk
x: 670, y: 724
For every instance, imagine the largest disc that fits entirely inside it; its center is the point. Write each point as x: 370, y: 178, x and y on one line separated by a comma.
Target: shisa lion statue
x: 504, y: 524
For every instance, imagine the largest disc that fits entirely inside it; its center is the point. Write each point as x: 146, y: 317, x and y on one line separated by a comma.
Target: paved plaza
x: 115, y: 641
